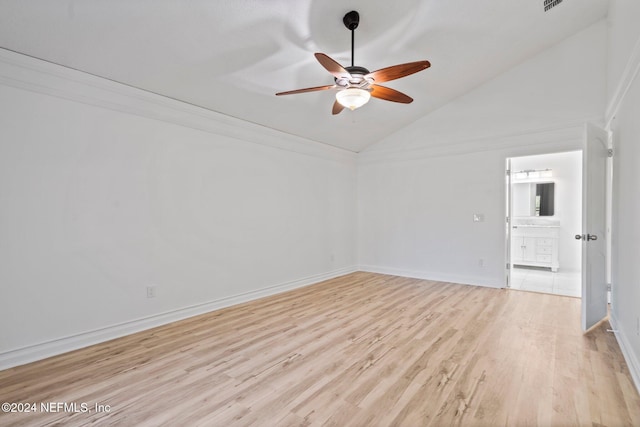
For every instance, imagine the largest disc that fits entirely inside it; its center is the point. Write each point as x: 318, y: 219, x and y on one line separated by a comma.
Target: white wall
x: 416, y: 218
x: 623, y: 31
x: 567, y: 176
x: 106, y: 190
x: 623, y: 113
x: 419, y: 188
x: 562, y: 85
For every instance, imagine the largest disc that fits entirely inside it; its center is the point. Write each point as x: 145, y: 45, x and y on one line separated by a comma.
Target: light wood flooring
x: 360, y: 350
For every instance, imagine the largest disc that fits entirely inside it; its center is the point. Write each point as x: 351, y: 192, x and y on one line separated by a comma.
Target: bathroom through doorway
x: 544, y: 212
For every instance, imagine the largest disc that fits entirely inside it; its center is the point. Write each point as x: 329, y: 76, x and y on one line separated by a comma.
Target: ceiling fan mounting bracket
x: 351, y: 20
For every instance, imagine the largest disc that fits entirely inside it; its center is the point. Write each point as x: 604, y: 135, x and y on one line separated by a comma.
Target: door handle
x: 586, y: 237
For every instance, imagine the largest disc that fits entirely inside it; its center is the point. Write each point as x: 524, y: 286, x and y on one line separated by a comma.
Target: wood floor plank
x: 360, y: 350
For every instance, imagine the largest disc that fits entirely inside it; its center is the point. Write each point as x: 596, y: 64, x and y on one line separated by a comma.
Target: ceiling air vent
x: 548, y: 4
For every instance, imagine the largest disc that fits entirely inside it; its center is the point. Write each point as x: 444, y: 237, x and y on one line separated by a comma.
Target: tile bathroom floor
x: 566, y: 283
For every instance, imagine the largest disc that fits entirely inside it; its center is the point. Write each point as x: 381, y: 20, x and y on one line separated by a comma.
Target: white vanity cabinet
x: 535, y: 246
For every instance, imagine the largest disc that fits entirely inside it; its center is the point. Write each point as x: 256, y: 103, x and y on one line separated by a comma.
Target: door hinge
x: 610, y: 152
x: 507, y: 218
x: 508, y: 265
x: 508, y: 172
x: 608, y: 287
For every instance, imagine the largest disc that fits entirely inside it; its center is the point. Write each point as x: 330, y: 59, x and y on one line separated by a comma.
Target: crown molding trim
x: 629, y: 75
x: 39, y: 76
x: 557, y: 138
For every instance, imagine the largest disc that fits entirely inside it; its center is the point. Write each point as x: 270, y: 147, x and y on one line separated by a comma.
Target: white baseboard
x: 629, y: 356
x: 428, y: 275
x: 55, y: 347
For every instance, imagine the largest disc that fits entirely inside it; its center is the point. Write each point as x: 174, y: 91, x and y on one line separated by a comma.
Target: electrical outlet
x: 151, y: 291
x: 481, y: 262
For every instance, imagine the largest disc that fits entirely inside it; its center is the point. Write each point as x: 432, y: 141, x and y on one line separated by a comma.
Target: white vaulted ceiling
x: 233, y: 56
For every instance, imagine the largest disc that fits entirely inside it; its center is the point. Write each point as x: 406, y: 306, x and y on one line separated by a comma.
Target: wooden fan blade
x: 308, y: 89
x: 337, y: 108
x: 332, y: 66
x: 397, y: 71
x: 388, y: 94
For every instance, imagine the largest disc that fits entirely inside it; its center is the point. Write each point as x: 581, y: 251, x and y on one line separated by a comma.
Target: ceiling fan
x: 356, y: 85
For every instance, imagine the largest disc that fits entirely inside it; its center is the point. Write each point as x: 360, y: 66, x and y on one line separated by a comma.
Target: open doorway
x: 545, y: 213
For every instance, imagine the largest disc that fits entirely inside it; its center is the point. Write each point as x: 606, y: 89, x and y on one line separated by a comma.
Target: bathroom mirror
x: 533, y: 199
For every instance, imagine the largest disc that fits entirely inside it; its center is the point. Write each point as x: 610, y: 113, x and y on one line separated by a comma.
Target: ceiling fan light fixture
x: 353, y: 98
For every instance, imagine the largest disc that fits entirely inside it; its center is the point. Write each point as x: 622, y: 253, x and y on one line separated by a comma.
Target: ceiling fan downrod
x: 351, y: 21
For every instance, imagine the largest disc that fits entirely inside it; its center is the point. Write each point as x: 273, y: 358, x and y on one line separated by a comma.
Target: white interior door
x: 593, y: 237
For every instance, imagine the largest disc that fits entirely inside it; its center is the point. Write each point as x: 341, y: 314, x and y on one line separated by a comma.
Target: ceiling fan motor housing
x: 357, y: 79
